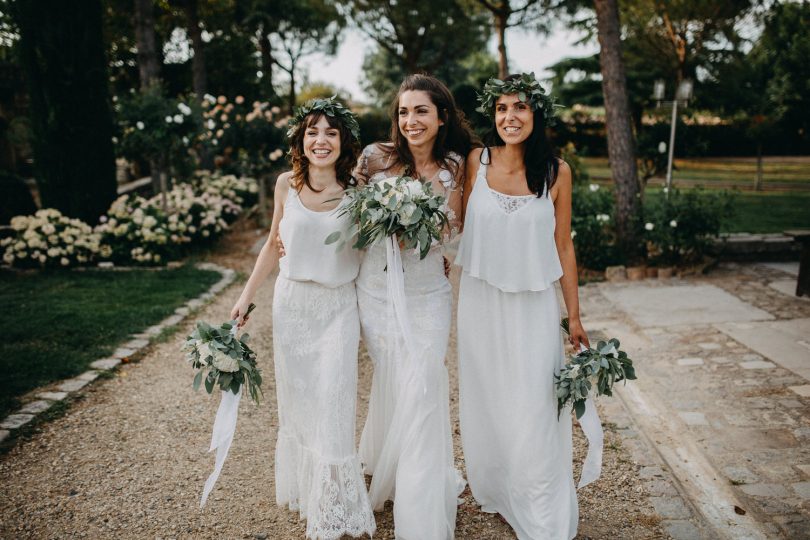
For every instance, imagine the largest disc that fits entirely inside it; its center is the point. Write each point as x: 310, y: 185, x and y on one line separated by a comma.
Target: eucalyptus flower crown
x: 328, y: 106
x: 528, y: 89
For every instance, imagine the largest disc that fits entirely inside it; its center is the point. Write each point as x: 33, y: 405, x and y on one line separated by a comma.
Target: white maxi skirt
x: 316, y: 333
x: 518, y: 455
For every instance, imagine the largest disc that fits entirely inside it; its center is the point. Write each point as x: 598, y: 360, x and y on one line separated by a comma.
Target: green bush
x: 679, y: 229
x: 16, y: 197
x: 592, y: 226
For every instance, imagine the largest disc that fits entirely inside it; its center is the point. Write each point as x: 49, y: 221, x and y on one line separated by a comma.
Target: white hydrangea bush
x: 48, y: 239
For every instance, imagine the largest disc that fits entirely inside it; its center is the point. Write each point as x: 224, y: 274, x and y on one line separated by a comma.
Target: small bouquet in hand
x: 228, y: 360
x: 601, y: 366
x: 400, y: 206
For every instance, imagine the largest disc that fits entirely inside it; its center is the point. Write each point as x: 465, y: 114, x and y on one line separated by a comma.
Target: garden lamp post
x: 682, y: 96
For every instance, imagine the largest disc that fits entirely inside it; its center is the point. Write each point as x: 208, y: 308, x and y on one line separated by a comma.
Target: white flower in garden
x: 178, y: 118
x: 210, y: 124
x: 220, y: 133
x: 54, y: 252
x: 239, y: 100
x: 602, y: 217
x: 673, y: 223
x: 594, y: 187
x: 115, y: 140
x: 573, y: 234
x: 185, y: 140
x: 64, y: 261
x: 223, y: 118
x: 222, y: 100
x: 139, y: 124
x: 214, y: 142
x: 168, y: 119
x: 48, y: 229
x: 210, y: 99
x: 649, y: 226
x: 8, y: 257
x: 183, y: 108
x: 42, y: 259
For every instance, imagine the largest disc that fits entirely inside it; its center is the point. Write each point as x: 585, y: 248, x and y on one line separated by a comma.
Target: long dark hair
x: 539, y: 157
x: 454, y: 136
x: 349, y: 152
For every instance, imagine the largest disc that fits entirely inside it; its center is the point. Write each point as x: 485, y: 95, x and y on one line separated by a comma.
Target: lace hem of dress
x: 330, y: 494
x: 511, y: 203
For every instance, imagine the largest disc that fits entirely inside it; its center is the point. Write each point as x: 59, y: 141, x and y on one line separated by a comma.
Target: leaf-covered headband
x: 528, y: 90
x: 330, y: 107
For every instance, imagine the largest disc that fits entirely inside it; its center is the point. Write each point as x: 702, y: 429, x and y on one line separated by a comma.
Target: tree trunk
x: 503, y: 61
x: 292, y: 97
x: 200, y: 76
x: 621, y: 143
x: 63, y: 55
x: 148, y: 64
x: 267, y: 62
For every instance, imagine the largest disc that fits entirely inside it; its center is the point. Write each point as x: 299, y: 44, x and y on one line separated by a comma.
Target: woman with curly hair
x: 316, y: 328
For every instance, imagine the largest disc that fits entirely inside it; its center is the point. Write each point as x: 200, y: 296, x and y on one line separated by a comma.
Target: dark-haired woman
x: 407, y: 440
x: 516, y: 245
x: 316, y: 330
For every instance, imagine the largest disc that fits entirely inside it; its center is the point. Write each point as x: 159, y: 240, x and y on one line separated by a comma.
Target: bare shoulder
x: 475, y: 155
x: 283, y: 183
x: 564, y: 175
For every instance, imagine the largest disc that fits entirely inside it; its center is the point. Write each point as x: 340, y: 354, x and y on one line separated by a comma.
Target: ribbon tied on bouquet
x: 591, y: 426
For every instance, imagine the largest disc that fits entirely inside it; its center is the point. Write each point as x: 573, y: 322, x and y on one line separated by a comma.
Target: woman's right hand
x: 280, y: 244
x: 239, y: 312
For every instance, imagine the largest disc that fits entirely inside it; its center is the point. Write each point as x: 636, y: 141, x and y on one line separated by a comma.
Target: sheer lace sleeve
x: 453, y: 183
x: 361, y: 173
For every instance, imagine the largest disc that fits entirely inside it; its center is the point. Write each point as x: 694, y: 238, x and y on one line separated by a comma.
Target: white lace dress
x: 516, y: 451
x: 316, y: 334
x: 407, y: 443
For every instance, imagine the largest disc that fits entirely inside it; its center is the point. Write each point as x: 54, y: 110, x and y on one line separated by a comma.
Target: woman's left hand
x: 576, y: 334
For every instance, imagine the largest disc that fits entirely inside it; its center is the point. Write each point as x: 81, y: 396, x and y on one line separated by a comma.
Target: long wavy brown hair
x: 349, y: 152
x: 454, y: 136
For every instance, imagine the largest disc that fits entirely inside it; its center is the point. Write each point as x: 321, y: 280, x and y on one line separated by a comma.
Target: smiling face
x: 321, y: 143
x: 419, y: 120
x: 514, y: 119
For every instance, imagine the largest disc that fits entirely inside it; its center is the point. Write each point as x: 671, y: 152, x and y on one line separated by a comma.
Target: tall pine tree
x: 64, y: 61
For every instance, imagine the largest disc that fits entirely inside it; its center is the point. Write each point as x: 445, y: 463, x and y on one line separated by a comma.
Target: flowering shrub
x: 48, y: 239
x: 160, y: 129
x: 248, y: 139
x: 679, y: 229
x: 135, y: 230
x: 139, y: 231
x: 592, y: 226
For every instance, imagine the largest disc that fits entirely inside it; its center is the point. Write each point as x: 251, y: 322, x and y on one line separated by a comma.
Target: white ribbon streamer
x: 592, y: 428
x: 221, y: 439
x: 224, y: 429
x: 395, y: 282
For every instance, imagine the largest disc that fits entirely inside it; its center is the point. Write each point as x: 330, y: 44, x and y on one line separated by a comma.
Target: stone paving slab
x: 4, y: 433
x: 779, y: 341
x: 35, y: 407
x: 73, y: 385
x: 16, y: 421
x: 722, y: 404
x: 52, y: 396
x: 105, y: 363
x: 684, y: 304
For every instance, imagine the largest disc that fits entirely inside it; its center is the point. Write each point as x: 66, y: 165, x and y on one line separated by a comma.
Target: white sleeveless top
x: 307, y: 258
x: 508, y: 240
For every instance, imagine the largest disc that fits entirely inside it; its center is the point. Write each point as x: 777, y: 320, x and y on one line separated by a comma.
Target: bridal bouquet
x: 228, y: 360
x: 401, y: 206
x: 601, y: 366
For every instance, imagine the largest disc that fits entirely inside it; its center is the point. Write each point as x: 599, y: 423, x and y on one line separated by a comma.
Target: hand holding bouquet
x: 400, y: 206
x: 602, y: 366
x: 228, y: 360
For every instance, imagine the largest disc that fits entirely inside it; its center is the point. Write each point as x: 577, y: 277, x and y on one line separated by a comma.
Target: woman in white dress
x: 316, y: 329
x: 516, y: 244
x: 407, y: 440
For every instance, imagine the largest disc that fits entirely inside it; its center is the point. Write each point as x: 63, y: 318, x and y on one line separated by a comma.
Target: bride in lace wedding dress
x: 316, y: 330
x: 407, y: 442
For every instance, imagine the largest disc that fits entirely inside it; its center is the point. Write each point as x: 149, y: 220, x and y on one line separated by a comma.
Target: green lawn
x: 778, y: 172
x: 57, y: 323
x: 764, y: 212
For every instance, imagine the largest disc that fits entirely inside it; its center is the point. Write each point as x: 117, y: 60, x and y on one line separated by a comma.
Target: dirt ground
x: 128, y: 458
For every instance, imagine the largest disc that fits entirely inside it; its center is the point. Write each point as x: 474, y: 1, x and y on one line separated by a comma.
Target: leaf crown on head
x: 330, y: 107
x: 528, y: 90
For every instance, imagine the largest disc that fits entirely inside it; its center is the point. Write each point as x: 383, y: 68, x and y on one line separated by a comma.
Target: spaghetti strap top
x: 308, y: 258
x: 508, y: 240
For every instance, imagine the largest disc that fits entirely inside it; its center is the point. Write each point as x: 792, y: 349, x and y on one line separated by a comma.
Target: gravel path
x: 128, y: 459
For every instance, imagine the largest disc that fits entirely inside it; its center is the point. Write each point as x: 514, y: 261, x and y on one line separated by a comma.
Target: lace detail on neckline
x: 511, y: 203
